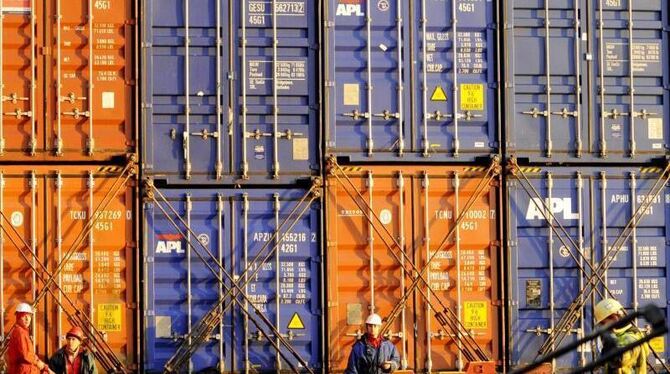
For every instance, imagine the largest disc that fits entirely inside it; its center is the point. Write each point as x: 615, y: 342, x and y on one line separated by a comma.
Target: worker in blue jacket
x: 372, y: 354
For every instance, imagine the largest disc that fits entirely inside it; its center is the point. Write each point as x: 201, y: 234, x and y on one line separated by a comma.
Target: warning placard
x: 109, y: 317
x: 438, y: 94
x: 475, y: 315
x: 658, y: 344
x: 296, y: 323
x: 472, y: 96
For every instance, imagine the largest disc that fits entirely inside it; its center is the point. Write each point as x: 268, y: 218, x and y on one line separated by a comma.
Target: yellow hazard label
x: 472, y: 96
x: 295, y: 322
x: 438, y: 94
x: 658, y: 344
x: 475, y: 315
x: 109, y: 317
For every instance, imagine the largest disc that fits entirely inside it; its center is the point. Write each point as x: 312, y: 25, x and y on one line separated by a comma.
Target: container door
x: 285, y: 289
x: 21, y: 74
x: 182, y: 288
x: 275, y: 124
x: 546, y: 263
x: 22, y: 205
x: 462, y: 272
x: 92, y: 73
x: 638, y: 276
x: 630, y: 70
x: 363, y: 274
x: 183, y: 89
x: 367, y: 78
x: 455, y: 78
x: 547, y: 109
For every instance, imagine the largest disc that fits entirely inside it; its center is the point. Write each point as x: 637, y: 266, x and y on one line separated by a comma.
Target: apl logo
x: 350, y: 8
x: 563, y: 205
x: 168, y: 244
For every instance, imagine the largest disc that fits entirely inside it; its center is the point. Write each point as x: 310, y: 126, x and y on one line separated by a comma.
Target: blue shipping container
x: 234, y: 226
x: 213, y: 110
x: 593, y: 205
x: 413, y: 81
x: 587, y: 81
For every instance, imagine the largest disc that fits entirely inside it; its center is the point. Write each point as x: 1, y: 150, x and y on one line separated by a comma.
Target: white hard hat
x: 374, y: 319
x: 606, y: 308
x: 24, y: 308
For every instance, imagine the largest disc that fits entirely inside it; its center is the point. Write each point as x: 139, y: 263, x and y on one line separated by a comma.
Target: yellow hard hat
x: 606, y: 308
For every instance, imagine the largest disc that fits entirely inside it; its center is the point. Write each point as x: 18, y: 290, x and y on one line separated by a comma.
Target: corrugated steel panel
x: 411, y: 80
x: 68, y: 74
x: 418, y: 206
x: 215, y: 112
x: 593, y: 205
x: 234, y: 225
x: 595, y: 89
x: 47, y: 209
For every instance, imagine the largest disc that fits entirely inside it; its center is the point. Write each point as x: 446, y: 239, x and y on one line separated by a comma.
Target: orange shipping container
x: 47, y: 210
x: 418, y: 206
x: 67, y: 69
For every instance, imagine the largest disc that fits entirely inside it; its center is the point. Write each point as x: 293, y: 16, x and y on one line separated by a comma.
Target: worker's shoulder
x: 388, y: 343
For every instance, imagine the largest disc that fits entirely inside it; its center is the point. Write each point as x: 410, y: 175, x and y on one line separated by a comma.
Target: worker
x: 21, y: 357
x: 73, y: 358
x: 634, y: 361
x: 372, y: 354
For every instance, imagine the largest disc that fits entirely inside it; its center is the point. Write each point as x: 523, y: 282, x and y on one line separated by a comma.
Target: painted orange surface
x: 417, y: 206
x: 50, y: 207
x: 69, y: 91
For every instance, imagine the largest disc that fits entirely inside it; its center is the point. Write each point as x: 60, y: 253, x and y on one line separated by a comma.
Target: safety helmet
x: 374, y: 319
x: 24, y: 308
x: 606, y: 308
x: 75, y: 332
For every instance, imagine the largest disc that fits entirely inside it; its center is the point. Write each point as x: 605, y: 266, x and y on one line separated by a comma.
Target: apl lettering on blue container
x: 591, y: 210
x: 411, y: 82
x: 587, y: 83
x: 234, y: 226
x: 230, y: 91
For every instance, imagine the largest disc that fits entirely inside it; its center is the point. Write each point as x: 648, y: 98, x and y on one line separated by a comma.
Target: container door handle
x: 288, y: 134
x: 356, y: 115
x: 257, y: 134
x: 19, y: 114
x: 76, y: 113
x: 14, y: 98
x: 385, y: 114
x: 204, y: 134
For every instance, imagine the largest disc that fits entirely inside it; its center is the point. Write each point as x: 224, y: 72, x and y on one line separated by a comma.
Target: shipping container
x: 68, y: 73
x: 417, y: 207
x: 587, y: 81
x: 48, y: 211
x: 563, y: 224
x: 230, y: 91
x: 413, y: 81
x: 235, y: 226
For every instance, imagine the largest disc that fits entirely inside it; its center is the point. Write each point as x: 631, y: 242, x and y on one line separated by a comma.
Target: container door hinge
x: 149, y: 259
x: 131, y: 305
x: 45, y: 51
x: 332, y: 304
x: 131, y: 21
x: 497, y: 303
x: 131, y: 82
x: 329, y: 83
x: 328, y: 24
x: 511, y: 243
x: 149, y: 313
x: 495, y: 244
x: 331, y: 244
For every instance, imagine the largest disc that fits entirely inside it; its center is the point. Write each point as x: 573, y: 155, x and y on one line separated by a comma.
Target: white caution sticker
x: 655, y: 127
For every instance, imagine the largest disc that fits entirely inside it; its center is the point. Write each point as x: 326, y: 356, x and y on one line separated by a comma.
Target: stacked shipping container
x: 232, y: 209
x: 410, y: 111
x: 68, y: 188
x: 586, y: 91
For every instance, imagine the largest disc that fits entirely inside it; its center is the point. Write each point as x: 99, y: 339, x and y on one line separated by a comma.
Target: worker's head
x: 74, y: 338
x: 24, y: 314
x: 373, y: 325
x: 608, y: 311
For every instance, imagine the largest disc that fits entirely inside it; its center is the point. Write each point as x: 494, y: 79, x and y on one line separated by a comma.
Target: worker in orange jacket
x: 21, y: 357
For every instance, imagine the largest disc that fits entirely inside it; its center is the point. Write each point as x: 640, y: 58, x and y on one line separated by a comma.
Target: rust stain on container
x: 69, y: 90
x: 50, y: 208
x: 418, y: 206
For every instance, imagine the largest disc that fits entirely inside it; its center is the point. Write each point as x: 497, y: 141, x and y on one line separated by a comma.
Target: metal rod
x: 187, y: 92
x: 371, y: 247
x: 401, y: 239
x: 368, y: 89
x: 633, y: 199
x: 91, y: 78
x: 459, y: 294
x: 244, y: 77
x: 219, y: 242
x: 2, y: 88
x: 401, y: 84
x: 547, y: 66
x: 2, y: 236
x: 218, y: 168
x: 91, y: 254
x: 601, y: 60
x: 189, y: 275
x: 33, y: 83
x: 245, y: 240
x: 578, y: 78
x: 33, y: 241
x: 275, y: 102
x: 454, y: 102
x: 59, y: 245
x: 278, y: 235
x: 631, y: 77
x: 59, y: 83
x: 424, y: 86
x: 580, y: 242
x: 603, y: 203
x: 425, y: 183
x: 550, y: 249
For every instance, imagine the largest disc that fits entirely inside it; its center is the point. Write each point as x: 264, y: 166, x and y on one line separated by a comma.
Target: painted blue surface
x: 234, y: 235
x: 458, y: 57
x: 591, y: 93
x: 605, y: 196
x: 243, y: 72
